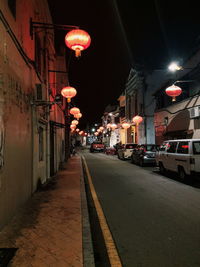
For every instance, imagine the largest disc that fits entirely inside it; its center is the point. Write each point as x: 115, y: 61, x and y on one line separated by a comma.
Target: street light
x: 174, y: 66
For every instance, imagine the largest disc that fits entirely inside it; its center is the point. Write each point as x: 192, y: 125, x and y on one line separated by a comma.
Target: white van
x: 181, y: 156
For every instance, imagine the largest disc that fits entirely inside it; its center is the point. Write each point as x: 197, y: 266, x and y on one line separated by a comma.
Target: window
x: 12, y: 7
x: 38, y: 91
x: 163, y: 146
x: 171, y: 147
x: 41, y: 144
x: 183, y: 148
x: 196, y: 147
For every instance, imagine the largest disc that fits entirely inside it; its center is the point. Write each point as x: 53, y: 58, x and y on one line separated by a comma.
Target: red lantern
x: 113, y: 126
x: 77, y: 40
x: 75, y: 122
x: 101, y: 128
x: 125, y: 125
x: 78, y: 116
x: 68, y: 92
x: 74, y: 111
x: 73, y: 126
x: 137, y: 119
x: 173, y: 91
x: 77, y: 130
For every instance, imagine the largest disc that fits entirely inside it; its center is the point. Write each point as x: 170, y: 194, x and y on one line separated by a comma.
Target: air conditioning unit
x: 194, y: 112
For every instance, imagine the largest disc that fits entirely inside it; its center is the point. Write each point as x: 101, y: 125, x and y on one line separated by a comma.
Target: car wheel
x: 132, y: 160
x: 181, y: 173
x: 141, y: 163
x: 161, y: 168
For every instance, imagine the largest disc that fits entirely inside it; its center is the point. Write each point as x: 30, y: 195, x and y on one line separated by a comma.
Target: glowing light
x: 68, y: 92
x: 77, y: 40
x: 78, y: 115
x: 75, y: 122
x: 74, y: 111
x: 173, y: 91
x: 174, y: 66
x: 113, y: 126
x: 137, y: 119
x: 125, y: 125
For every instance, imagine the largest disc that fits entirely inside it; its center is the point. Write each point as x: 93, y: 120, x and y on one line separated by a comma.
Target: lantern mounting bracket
x: 42, y: 103
x: 49, y: 26
x: 183, y: 81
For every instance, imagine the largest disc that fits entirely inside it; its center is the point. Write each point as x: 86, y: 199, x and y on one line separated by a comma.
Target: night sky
x: 124, y: 33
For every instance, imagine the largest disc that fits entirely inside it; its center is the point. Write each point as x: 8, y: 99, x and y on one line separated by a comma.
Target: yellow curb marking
x: 110, y: 245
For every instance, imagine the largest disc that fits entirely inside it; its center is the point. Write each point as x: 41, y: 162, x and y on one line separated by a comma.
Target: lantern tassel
x: 78, y: 52
x: 173, y: 99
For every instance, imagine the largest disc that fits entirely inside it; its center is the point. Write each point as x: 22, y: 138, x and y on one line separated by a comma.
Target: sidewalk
x: 52, y: 229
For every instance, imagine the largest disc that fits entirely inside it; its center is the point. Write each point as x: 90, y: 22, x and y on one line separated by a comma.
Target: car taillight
x: 192, y: 161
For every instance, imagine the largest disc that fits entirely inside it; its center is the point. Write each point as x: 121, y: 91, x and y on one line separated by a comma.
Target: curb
x: 88, y: 252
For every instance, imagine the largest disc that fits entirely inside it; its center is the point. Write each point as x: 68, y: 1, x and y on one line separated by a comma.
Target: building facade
x: 180, y: 118
x: 25, y: 109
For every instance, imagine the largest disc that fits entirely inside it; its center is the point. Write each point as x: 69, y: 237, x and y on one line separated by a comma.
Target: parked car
x: 144, y: 154
x: 181, y: 156
x: 110, y: 151
x: 125, y: 151
x: 97, y: 146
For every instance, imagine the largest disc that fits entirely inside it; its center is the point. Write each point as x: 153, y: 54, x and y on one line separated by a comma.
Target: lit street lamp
x: 174, y: 66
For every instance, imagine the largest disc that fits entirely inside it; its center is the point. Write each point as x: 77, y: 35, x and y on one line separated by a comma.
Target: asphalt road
x: 154, y: 219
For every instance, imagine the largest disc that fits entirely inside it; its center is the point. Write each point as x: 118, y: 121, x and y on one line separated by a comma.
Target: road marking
x: 110, y: 245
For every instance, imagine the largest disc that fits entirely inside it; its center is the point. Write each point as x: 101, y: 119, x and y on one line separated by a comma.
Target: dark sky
x: 124, y: 33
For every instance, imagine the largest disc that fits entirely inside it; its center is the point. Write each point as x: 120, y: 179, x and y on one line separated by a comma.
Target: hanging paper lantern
x: 68, y: 92
x: 73, y: 126
x: 137, y: 119
x: 108, y: 125
x: 98, y: 130
x: 96, y: 133
x: 74, y: 111
x: 101, y: 128
x: 75, y: 122
x: 77, y: 40
x: 77, y: 130
x: 113, y: 126
x: 125, y: 125
x: 78, y: 115
x: 81, y: 132
x: 173, y: 91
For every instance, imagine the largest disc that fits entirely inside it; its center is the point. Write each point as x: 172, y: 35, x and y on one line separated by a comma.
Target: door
x: 169, y: 161
x: 182, y: 156
x: 196, y: 155
x: 52, y: 149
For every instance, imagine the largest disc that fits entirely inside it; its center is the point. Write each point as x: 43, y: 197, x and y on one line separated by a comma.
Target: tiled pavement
x: 52, y: 229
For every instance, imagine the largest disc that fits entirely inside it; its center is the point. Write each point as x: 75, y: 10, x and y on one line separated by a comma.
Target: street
x: 154, y: 219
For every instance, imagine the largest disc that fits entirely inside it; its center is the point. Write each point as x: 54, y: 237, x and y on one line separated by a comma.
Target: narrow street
x: 154, y: 219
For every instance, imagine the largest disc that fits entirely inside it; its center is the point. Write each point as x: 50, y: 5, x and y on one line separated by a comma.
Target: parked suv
x: 97, y: 146
x: 181, y: 156
x: 144, y: 154
x: 125, y: 151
